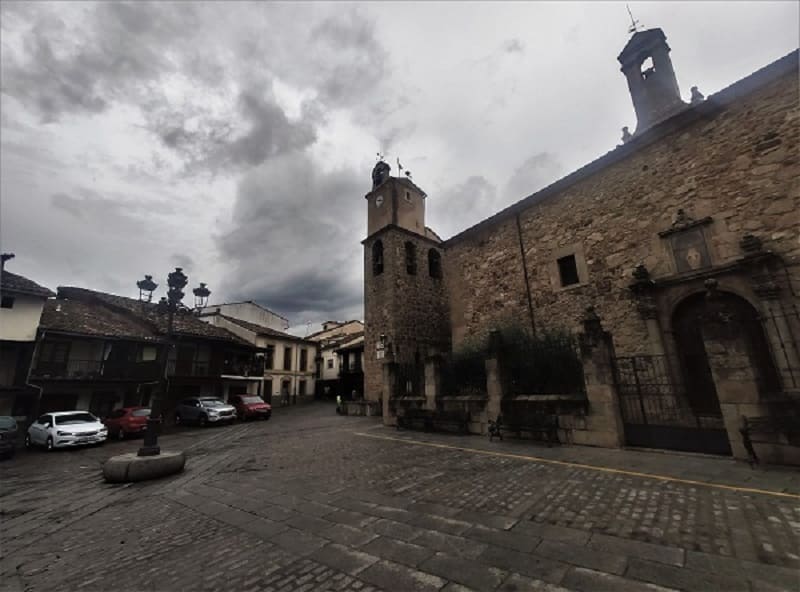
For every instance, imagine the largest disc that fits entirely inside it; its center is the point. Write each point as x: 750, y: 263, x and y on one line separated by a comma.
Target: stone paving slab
x: 387, y: 575
x: 464, y: 571
x: 297, y: 514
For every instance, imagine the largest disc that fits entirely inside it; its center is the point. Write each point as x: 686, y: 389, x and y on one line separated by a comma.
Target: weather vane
x: 634, y: 23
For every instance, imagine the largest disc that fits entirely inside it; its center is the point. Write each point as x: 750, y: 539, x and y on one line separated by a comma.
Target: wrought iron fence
x: 464, y: 373
x: 651, y: 392
x: 782, y: 324
x: 410, y: 380
x: 548, y: 363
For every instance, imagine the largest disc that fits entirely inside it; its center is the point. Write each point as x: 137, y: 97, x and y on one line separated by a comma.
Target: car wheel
x: 49, y: 444
x: 28, y: 441
x: 202, y: 421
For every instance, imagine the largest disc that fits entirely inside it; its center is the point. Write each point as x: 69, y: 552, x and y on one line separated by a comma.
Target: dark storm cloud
x: 513, y: 46
x: 212, y: 144
x: 115, y: 53
x: 537, y: 172
x: 461, y: 206
x: 294, y: 243
x: 359, y: 62
x: 185, y: 262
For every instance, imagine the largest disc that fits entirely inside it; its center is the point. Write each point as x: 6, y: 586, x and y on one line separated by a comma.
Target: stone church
x: 694, y: 217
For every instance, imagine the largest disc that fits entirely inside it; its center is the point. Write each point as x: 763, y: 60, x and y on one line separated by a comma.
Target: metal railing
x: 77, y: 369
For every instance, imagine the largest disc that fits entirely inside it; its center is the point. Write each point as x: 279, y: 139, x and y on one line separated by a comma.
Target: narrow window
x: 303, y: 360
x: 287, y: 358
x: 269, y: 357
x: 568, y: 270
x: 7, y: 302
x: 330, y: 363
x: 434, y: 263
x: 411, y: 258
x: 377, y: 258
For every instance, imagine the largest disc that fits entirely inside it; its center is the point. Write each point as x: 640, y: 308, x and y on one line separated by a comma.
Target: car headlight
x: 213, y: 412
x: 63, y: 433
x: 103, y: 430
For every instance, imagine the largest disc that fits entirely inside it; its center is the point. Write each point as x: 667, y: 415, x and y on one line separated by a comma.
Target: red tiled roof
x: 17, y: 284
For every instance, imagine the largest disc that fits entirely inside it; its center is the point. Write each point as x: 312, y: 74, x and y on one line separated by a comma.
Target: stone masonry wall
x: 740, y: 166
x: 409, y: 309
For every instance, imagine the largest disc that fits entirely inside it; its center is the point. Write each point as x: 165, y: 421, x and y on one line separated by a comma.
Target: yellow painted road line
x: 565, y: 463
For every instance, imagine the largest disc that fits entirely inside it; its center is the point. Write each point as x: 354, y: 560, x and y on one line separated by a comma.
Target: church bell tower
x: 405, y: 312
x: 651, y: 79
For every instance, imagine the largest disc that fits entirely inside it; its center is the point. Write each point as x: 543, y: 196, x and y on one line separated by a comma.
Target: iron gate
x: 657, y: 410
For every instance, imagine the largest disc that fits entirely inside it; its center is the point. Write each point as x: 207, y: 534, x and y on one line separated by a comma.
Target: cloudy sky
x: 237, y: 139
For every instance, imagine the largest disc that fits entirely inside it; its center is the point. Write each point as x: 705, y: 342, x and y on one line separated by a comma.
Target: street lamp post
x: 176, y: 281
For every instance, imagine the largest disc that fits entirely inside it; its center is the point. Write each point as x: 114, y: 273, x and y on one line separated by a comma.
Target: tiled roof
x: 13, y: 283
x: 356, y: 340
x: 260, y: 330
x: 334, y: 331
x: 145, y: 314
x: 85, y: 318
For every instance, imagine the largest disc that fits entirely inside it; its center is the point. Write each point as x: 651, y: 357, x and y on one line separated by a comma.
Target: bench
x: 456, y: 419
x: 410, y: 417
x: 540, y: 423
x: 434, y: 419
x: 776, y: 424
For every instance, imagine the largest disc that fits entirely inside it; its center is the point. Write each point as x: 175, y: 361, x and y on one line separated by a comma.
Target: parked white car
x: 66, y: 428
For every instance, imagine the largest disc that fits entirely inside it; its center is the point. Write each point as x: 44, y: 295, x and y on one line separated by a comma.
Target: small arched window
x: 434, y: 264
x: 377, y: 258
x: 411, y: 258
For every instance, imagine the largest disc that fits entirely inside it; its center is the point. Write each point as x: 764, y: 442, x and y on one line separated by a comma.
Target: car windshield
x: 7, y: 423
x: 212, y: 403
x: 140, y: 412
x: 73, y: 418
x: 251, y: 400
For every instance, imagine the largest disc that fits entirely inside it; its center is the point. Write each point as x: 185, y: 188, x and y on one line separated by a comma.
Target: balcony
x: 244, y: 367
x: 215, y: 368
x: 351, y: 369
x: 97, y: 370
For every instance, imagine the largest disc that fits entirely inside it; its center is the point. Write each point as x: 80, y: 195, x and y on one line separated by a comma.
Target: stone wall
x: 737, y: 163
x: 410, y: 310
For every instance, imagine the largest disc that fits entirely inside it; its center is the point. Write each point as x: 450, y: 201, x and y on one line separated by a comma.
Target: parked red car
x: 250, y: 407
x: 127, y: 421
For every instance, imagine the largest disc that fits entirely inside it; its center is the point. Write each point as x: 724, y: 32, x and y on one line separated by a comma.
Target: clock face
x: 379, y: 201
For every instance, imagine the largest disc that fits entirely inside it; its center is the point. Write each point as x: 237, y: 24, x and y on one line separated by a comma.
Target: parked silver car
x: 204, y: 410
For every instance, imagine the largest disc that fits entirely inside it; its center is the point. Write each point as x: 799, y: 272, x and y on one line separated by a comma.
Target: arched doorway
x: 671, y: 401
x: 687, y: 324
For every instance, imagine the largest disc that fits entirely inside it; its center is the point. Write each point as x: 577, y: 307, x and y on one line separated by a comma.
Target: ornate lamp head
x: 176, y: 281
x: 146, y: 288
x: 201, y: 294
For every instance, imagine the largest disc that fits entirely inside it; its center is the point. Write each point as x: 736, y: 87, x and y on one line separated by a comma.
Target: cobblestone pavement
x: 313, y: 501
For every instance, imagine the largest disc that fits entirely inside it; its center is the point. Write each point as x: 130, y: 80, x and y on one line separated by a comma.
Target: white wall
x: 20, y: 322
x: 330, y: 373
x: 251, y: 313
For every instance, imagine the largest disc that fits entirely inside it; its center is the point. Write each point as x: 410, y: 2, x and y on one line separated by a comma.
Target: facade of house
x: 691, y: 222
x: 288, y: 361
x: 99, y: 352
x: 329, y: 361
x: 350, y: 354
x: 250, y: 312
x: 22, y: 301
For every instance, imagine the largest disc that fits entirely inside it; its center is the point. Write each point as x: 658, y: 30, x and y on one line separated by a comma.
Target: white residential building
x: 289, y: 369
